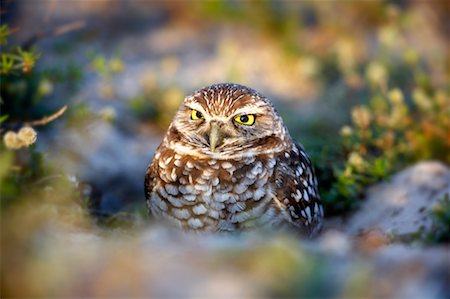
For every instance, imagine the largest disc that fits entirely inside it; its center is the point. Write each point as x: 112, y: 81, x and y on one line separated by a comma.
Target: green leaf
x: 4, y: 33
x: 3, y: 118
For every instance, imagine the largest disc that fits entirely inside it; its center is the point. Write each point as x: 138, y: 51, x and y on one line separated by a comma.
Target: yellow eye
x: 246, y: 119
x: 195, y: 115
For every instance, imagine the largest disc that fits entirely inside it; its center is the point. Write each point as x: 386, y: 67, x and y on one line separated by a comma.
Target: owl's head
x: 227, y: 119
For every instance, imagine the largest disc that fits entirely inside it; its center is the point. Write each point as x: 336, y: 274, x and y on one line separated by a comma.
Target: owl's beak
x: 215, y: 137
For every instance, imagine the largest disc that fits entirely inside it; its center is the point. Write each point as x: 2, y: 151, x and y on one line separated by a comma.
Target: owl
x: 228, y: 163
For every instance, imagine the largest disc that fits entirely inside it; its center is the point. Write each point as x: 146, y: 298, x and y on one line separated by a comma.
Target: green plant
x: 440, y: 213
x: 390, y: 132
x: 15, y: 59
x: 22, y: 88
x: 107, y: 69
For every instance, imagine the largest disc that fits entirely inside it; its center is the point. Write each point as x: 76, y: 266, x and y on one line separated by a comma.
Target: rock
x: 108, y: 159
x: 334, y: 242
x: 401, y: 206
x: 403, y: 271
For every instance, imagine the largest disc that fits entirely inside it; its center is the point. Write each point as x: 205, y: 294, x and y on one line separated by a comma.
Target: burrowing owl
x: 227, y: 163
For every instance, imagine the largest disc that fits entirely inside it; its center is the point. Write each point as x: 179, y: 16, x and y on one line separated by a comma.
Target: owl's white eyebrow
x: 249, y: 110
x: 196, y: 106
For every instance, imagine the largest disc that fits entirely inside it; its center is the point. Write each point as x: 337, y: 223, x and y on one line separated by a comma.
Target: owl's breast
x: 212, y: 194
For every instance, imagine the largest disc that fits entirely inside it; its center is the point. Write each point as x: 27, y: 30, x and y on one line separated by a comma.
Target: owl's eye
x: 195, y: 115
x: 246, y: 119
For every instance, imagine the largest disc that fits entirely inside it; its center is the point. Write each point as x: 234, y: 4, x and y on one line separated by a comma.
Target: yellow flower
x: 377, y: 74
x: 346, y: 131
x: 12, y: 141
x: 27, y: 135
x: 421, y: 99
x: 346, y: 55
x: 45, y: 87
x: 361, y: 116
x: 356, y: 161
x: 116, y: 65
x: 395, y: 96
x: 388, y: 36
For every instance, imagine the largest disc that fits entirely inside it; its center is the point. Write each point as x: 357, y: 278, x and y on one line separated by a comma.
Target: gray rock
x: 401, y: 206
x: 403, y: 271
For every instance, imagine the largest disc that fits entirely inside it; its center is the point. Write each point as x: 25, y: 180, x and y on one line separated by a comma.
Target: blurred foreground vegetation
x: 370, y: 101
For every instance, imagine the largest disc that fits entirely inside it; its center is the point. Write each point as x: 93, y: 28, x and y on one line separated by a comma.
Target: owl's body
x: 228, y: 163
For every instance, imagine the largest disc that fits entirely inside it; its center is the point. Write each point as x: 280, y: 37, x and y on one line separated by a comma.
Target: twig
x: 40, y: 122
x: 53, y: 32
x: 68, y: 27
x: 47, y: 119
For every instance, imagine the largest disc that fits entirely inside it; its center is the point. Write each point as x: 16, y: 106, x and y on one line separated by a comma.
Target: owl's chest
x: 216, y: 194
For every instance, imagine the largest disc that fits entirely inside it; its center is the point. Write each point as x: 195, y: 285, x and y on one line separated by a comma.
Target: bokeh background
x: 363, y: 85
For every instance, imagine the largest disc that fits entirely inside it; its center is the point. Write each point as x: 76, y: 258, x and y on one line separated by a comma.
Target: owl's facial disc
x: 218, y: 133
x: 226, y: 122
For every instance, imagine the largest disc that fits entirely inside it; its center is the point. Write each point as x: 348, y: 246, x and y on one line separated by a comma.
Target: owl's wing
x: 296, y: 189
x: 150, y: 176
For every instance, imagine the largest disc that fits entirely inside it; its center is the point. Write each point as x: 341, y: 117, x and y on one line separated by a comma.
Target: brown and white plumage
x: 228, y: 163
